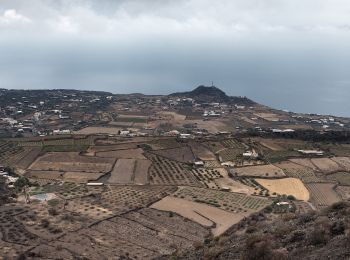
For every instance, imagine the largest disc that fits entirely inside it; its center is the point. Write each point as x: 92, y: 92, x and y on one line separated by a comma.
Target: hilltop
x: 212, y: 94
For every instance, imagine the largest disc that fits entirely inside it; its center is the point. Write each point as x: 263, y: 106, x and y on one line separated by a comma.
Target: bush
x: 290, y: 197
x: 318, y: 237
x: 337, y: 228
x: 53, y: 212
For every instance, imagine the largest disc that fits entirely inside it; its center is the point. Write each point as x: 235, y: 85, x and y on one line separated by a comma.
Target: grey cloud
x: 289, y: 54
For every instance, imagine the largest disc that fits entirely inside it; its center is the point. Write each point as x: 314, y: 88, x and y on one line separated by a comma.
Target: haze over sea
x: 292, y: 55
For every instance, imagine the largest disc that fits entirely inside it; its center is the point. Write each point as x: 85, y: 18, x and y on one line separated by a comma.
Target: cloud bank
x: 291, y: 54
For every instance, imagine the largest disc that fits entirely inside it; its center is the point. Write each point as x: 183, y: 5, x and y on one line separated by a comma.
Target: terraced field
x: 167, y: 172
x: 322, y: 194
x: 232, y: 202
x: 293, y: 170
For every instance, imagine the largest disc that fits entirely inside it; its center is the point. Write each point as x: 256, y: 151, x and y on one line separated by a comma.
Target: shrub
x: 337, y: 228
x: 318, y: 237
x: 53, y: 212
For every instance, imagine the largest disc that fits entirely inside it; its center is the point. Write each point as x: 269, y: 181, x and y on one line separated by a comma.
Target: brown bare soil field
x: 344, y: 162
x: 322, y: 194
x: 180, y: 154
x: 305, y: 162
x: 113, y: 147
x: 271, y: 144
x: 342, y: 178
x: 343, y: 191
x: 141, y: 171
x: 71, y: 161
x: 260, y: 171
x: 123, y: 154
x: 326, y: 165
x: 287, y: 186
x: 201, y: 152
x: 298, y: 171
x: 123, y: 171
x: 82, y: 177
x: 45, y: 175
x: 217, y: 219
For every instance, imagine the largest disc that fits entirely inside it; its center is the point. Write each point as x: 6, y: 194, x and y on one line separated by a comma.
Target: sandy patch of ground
x: 200, y: 213
x: 288, y: 186
x: 261, y: 170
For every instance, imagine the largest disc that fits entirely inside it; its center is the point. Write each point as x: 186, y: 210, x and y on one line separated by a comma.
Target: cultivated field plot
x: 167, y: 172
x: 278, y: 156
x: 141, y: 172
x: 181, y: 154
x: 343, y: 191
x: 10, y: 152
x: 214, y: 146
x: 231, y: 202
x: 28, y: 157
x: 217, y: 219
x: 71, y: 161
x: 201, y: 152
x: 326, y: 165
x: 117, y: 200
x: 123, y: 154
x: 112, y: 147
x: 232, y: 143
x: 340, y: 150
x: 305, y: 162
x: 123, y: 171
x: 260, y: 171
x: 344, y: 162
x: 85, y: 141
x: 80, y: 177
x: 271, y: 144
x: 342, y: 178
x: 293, y: 170
x: 212, y: 164
x: 128, y: 171
x: 287, y: 186
x: 230, y: 155
x: 322, y: 194
x: 164, y: 144
x: 207, y: 176
x: 99, y: 130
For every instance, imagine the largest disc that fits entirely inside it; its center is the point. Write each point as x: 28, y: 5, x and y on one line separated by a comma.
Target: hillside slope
x: 321, y: 235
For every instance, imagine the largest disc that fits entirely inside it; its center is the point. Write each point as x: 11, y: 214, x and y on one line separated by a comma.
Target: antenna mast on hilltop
x: 212, y: 83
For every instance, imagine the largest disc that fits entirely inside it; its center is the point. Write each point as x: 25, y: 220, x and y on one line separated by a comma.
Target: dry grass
x: 288, y: 186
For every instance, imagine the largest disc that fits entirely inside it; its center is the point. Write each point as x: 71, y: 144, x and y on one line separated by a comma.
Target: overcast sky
x: 289, y: 54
